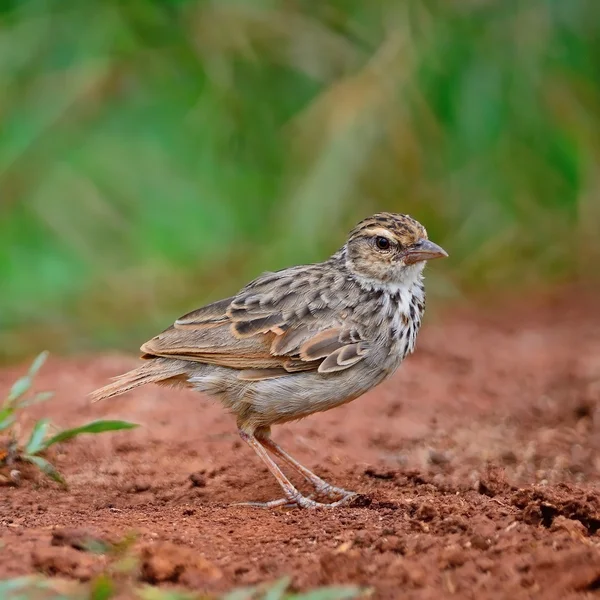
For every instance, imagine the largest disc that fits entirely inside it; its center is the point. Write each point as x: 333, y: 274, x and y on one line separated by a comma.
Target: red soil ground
x: 479, y: 461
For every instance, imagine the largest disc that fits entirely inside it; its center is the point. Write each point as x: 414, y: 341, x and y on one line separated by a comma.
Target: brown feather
x: 156, y: 371
x: 210, y: 315
x: 321, y: 345
x: 260, y: 374
x: 262, y: 325
x: 341, y: 359
x: 291, y: 340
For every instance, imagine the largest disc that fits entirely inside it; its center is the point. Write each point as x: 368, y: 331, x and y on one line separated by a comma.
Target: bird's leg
x: 292, y: 496
x: 321, y: 486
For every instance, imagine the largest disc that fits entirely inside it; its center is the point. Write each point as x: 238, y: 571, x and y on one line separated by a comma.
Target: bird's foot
x: 300, y: 501
x: 326, y: 490
x: 280, y: 503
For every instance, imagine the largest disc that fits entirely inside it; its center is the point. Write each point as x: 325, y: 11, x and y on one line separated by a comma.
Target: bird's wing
x: 280, y: 323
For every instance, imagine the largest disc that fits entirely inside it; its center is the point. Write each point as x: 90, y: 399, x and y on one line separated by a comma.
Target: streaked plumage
x: 300, y: 340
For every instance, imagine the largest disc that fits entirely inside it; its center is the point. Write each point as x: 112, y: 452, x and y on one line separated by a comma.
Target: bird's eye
x: 382, y: 243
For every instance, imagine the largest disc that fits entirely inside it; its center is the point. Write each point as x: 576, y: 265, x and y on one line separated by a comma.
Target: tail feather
x: 158, y: 370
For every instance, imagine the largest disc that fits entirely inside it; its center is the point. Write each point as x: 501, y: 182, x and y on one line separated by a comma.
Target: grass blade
x: 11, y: 585
x: 7, y: 417
x: 36, y: 440
x: 37, y: 364
x: 94, y: 427
x: 7, y: 422
x: 46, y: 467
x: 37, y: 399
x: 102, y: 588
x: 331, y: 593
x: 19, y: 387
x: 149, y: 592
x: 247, y: 593
x: 29, y: 588
x: 277, y: 590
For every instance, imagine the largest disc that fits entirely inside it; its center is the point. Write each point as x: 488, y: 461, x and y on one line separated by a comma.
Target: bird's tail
x: 157, y: 370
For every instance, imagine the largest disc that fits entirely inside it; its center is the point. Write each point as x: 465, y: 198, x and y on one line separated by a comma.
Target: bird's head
x: 390, y: 248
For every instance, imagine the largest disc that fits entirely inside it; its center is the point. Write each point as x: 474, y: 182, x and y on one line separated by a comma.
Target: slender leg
x: 321, y: 486
x: 292, y: 496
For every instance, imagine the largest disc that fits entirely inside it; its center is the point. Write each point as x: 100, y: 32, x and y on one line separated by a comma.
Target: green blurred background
x: 156, y: 155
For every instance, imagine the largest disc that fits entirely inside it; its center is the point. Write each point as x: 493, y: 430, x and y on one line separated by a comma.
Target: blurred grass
x: 155, y: 155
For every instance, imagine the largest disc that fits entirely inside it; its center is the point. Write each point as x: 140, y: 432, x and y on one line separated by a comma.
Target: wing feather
x: 341, y: 359
x: 273, y: 327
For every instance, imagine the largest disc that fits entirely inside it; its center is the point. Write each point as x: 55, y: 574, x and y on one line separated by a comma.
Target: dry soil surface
x: 478, y: 464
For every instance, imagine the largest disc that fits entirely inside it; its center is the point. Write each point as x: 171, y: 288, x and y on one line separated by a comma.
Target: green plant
x: 279, y: 591
x: 32, y: 450
x: 120, y: 579
x: 33, y: 587
x: 103, y: 588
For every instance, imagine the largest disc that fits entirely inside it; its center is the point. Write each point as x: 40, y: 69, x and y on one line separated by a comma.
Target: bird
x: 298, y: 341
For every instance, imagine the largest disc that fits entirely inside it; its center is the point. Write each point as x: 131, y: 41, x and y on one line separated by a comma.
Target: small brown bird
x: 300, y: 340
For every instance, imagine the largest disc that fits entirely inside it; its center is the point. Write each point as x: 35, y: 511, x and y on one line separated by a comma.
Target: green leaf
x: 22, y: 385
x: 36, y: 440
x: 97, y: 546
x: 46, y: 468
x: 37, y: 364
x: 19, y: 387
x: 30, y: 587
x: 102, y: 588
x: 149, y: 592
x: 7, y: 418
x: 277, y: 590
x: 11, y: 585
x: 246, y: 593
x: 331, y: 593
x: 94, y: 427
x: 37, y: 398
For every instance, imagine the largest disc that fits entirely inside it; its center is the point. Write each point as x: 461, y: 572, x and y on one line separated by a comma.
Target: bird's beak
x: 423, y: 250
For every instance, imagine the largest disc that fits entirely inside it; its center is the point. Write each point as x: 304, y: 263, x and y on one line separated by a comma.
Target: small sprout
x: 22, y: 385
x: 31, y: 587
x: 102, y: 588
x: 37, y: 399
x: 11, y: 451
x: 19, y: 388
x: 37, y: 364
x: 107, y: 587
x: 36, y: 440
x: 7, y: 418
x: 149, y: 592
x: 15, y: 585
x: 331, y: 593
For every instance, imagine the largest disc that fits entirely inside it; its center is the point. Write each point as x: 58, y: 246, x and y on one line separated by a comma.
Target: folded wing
x: 272, y: 328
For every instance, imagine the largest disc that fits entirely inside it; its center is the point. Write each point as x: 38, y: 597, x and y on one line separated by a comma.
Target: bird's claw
x: 331, y: 492
x: 302, y: 501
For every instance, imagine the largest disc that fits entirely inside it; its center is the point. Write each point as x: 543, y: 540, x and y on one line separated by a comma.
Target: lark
x: 299, y: 341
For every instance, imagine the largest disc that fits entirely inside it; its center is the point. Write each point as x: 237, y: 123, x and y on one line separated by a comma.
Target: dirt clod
x: 338, y: 567
x: 493, y: 482
x: 385, y: 474
x: 65, y: 562
x: 80, y: 539
x: 426, y: 512
x: 198, y: 479
x: 166, y: 562
x: 573, y: 528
